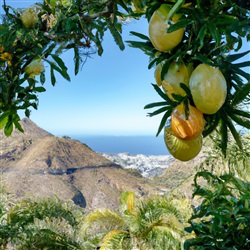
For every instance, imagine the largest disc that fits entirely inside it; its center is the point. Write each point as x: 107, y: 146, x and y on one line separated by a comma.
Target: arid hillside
x: 37, y: 163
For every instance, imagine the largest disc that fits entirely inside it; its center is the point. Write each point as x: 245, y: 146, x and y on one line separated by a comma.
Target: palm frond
x: 115, y: 240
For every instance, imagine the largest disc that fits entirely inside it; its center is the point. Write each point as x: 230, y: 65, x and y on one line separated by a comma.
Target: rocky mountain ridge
x: 36, y: 163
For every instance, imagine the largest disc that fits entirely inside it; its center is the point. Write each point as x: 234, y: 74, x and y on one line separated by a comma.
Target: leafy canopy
x: 214, y: 33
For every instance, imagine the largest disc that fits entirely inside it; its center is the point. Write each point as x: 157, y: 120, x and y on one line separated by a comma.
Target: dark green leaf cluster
x: 56, y: 27
x: 222, y: 220
x: 36, y: 224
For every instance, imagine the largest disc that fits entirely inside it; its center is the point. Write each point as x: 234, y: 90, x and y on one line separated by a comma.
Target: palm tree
x: 154, y: 223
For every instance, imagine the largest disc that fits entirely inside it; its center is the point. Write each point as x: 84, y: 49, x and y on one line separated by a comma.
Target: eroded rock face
x: 37, y: 163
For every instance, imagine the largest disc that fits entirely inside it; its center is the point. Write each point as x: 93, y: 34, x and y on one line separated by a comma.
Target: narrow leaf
x: 201, y: 35
x: 235, y: 57
x: 39, y: 89
x: 117, y: 36
x: 186, y: 89
x: 141, y: 45
x: 155, y: 104
x: 242, y: 64
x: 59, y: 61
x: 204, y: 59
x: 211, y: 126
x: 241, y: 113
x: 42, y: 78
x: 234, y: 133
x: 142, y: 36
x: 52, y: 76
x: 76, y: 60
x: 18, y: 126
x: 163, y: 121
x: 158, y: 111
x: 214, y: 33
x: 63, y: 73
x: 179, y: 25
x: 123, y: 5
x: 241, y: 94
x: 4, y: 119
x: 241, y: 73
x: 241, y: 121
x: 8, y: 128
x: 163, y: 95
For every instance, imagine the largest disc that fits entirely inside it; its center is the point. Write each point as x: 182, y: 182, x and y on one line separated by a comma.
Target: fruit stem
x: 175, y: 8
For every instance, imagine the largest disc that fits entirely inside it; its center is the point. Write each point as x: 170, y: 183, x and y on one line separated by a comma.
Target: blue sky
x: 107, y: 97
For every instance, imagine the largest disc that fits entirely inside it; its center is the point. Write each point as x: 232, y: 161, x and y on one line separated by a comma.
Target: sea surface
x: 146, y: 145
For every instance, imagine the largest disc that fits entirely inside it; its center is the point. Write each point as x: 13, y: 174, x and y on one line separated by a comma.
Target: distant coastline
x: 146, y: 145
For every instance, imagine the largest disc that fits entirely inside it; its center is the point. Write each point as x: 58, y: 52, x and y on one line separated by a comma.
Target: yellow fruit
x: 29, y: 18
x: 158, y: 26
x: 158, y: 74
x: 6, y: 56
x: 34, y: 68
x: 187, y: 129
x: 177, y: 73
x: 208, y: 88
x: 181, y: 149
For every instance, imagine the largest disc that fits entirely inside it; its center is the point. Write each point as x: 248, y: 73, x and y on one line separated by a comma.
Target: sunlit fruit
x: 187, y: 128
x: 176, y: 74
x: 158, y: 26
x: 29, y: 18
x: 208, y: 88
x: 157, y: 74
x: 182, y: 150
x: 34, y: 68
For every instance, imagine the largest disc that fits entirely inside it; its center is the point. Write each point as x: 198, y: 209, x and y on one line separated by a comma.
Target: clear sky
x: 107, y: 97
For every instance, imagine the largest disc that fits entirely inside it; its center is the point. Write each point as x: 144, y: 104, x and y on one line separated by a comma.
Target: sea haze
x: 146, y: 145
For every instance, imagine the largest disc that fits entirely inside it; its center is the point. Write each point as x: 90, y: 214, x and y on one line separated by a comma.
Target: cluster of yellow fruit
x: 208, y: 87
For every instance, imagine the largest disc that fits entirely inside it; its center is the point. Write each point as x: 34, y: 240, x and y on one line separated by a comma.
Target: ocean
x: 146, y: 145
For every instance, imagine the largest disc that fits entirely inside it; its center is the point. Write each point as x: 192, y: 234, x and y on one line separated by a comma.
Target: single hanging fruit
x: 187, y: 129
x: 177, y: 73
x: 157, y: 74
x: 158, y: 26
x: 181, y: 149
x: 29, y: 18
x: 34, y: 68
x: 208, y: 87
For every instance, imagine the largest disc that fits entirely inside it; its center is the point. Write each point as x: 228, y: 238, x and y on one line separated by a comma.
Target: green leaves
x: 168, y: 106
x: 221, y: 220
x: 114, y: 30
x: 241, y: 94
x: 60, y: 26
x: 59, y: 67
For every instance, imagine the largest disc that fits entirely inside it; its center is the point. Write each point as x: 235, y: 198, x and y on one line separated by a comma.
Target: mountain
x: 37, y: 163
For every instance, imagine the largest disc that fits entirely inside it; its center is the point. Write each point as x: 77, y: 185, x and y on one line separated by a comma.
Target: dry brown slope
x: 69, y: 169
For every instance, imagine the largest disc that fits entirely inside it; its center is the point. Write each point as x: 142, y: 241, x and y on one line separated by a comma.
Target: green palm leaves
x: 154, y: 223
